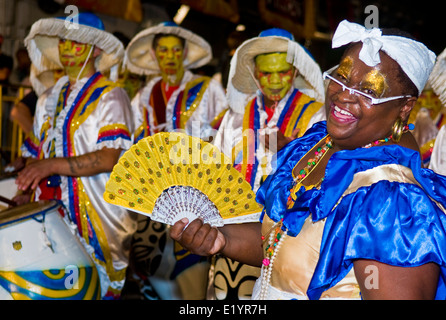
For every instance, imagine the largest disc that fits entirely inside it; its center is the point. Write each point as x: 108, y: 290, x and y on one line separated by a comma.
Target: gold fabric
x: 297, y: 259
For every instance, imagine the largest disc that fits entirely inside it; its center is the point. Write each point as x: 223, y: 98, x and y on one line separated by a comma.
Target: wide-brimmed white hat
x: 437, y: 78
x: 241, y: 81
x: 43, y: 40
x: 140, y: 59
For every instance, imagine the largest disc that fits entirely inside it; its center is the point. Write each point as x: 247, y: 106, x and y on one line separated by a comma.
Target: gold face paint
x: 170, y: 54
x: 275, y: 75
x: 429, y: 100
x: 73, y: 55
x: 374, y: 83
x: 345, y: 67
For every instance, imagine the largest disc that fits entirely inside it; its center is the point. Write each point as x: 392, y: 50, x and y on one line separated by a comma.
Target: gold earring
x: 397, y: 130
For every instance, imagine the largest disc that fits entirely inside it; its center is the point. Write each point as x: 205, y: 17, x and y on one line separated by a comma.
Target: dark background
x: 423, y: 19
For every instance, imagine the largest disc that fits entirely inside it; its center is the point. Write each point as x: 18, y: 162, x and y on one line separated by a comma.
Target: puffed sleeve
x: 395, y: 216
x: 216, y: 107
x: 31, y: 144
x: 115, y: 122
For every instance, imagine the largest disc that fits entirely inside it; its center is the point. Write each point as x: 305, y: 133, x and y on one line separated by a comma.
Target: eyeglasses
x: 359, y: 93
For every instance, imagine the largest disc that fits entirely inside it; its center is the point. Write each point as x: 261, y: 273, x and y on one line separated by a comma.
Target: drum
x: 8, y: 189
x: 41, y: 257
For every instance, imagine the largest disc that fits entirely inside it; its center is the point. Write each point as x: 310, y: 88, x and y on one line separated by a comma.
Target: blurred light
x: 240, y: 28
x: 181, y: 14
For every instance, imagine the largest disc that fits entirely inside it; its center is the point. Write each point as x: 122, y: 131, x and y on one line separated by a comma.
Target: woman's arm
x: 379, y: 281
x: 240, y: 242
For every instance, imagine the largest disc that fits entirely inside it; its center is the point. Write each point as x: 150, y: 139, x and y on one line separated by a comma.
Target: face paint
x: 374, y: 83
x: 73, y: 55
x: 345, y: 68
x: 169, y: 54
x: 429, y: 100
x: 57, y: 74
x: 275, y: 75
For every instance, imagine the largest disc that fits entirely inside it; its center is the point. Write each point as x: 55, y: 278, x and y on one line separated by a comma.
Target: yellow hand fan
x: 171, y: 175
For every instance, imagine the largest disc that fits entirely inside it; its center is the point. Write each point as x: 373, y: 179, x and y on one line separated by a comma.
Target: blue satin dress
x: 376, y: 203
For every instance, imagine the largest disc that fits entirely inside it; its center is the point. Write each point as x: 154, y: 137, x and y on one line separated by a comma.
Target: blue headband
x: 277, y: 33
x: 168, y: 24
x: 86, y: 19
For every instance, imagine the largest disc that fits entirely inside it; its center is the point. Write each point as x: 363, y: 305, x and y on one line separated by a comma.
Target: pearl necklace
x: 274, y: 243
x: 276, y: 238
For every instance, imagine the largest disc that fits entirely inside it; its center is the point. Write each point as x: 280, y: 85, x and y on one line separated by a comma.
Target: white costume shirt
x: 104, y: 121
x: 438, y: 157
x: 230, y: 132
x: 211, y: 106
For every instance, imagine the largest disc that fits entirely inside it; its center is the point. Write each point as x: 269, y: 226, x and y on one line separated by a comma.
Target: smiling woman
x: 350, y: 195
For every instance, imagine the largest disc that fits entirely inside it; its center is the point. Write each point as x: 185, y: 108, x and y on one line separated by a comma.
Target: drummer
x: 81, y: 126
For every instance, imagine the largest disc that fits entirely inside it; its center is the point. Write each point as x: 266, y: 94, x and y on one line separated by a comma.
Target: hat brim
x: 140, y: 59
x: 42, y: 80
x: 43, y: 39
x: 437, y: 78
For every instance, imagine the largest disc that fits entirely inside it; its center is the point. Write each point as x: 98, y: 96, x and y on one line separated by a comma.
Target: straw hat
x: 309, y: 78
x: 43, y: 40
x: 437, y: 77
x: 140, y: 59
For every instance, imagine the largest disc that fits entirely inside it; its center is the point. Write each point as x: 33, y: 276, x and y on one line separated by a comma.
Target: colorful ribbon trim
x: 113, y: 132
x: 188, y: 101
x: 294, y: 115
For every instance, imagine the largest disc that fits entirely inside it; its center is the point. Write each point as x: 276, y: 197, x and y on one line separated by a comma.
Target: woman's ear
x: 407, y: 108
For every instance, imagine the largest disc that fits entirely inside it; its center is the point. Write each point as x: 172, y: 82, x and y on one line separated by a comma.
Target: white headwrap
x: 415, y: 58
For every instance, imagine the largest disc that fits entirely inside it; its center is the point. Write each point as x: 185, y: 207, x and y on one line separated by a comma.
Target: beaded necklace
x: 276, y: 238
x: 311, y: 165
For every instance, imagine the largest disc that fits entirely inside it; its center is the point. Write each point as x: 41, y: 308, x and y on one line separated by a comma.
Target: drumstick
x: 6, y: 200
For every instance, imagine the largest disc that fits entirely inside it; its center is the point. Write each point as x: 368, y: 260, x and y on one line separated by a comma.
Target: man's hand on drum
x: 34, y: 172
x: 198, y: 238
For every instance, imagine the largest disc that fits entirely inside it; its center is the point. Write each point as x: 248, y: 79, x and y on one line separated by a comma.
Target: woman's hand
x: 198, y: 238
x: 241, y: 242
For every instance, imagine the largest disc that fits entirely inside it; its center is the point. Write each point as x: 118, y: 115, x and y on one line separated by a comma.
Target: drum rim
x: 37, y: 208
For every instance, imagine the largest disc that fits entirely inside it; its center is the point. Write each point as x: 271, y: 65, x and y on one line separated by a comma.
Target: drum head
x: 26, y: 211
